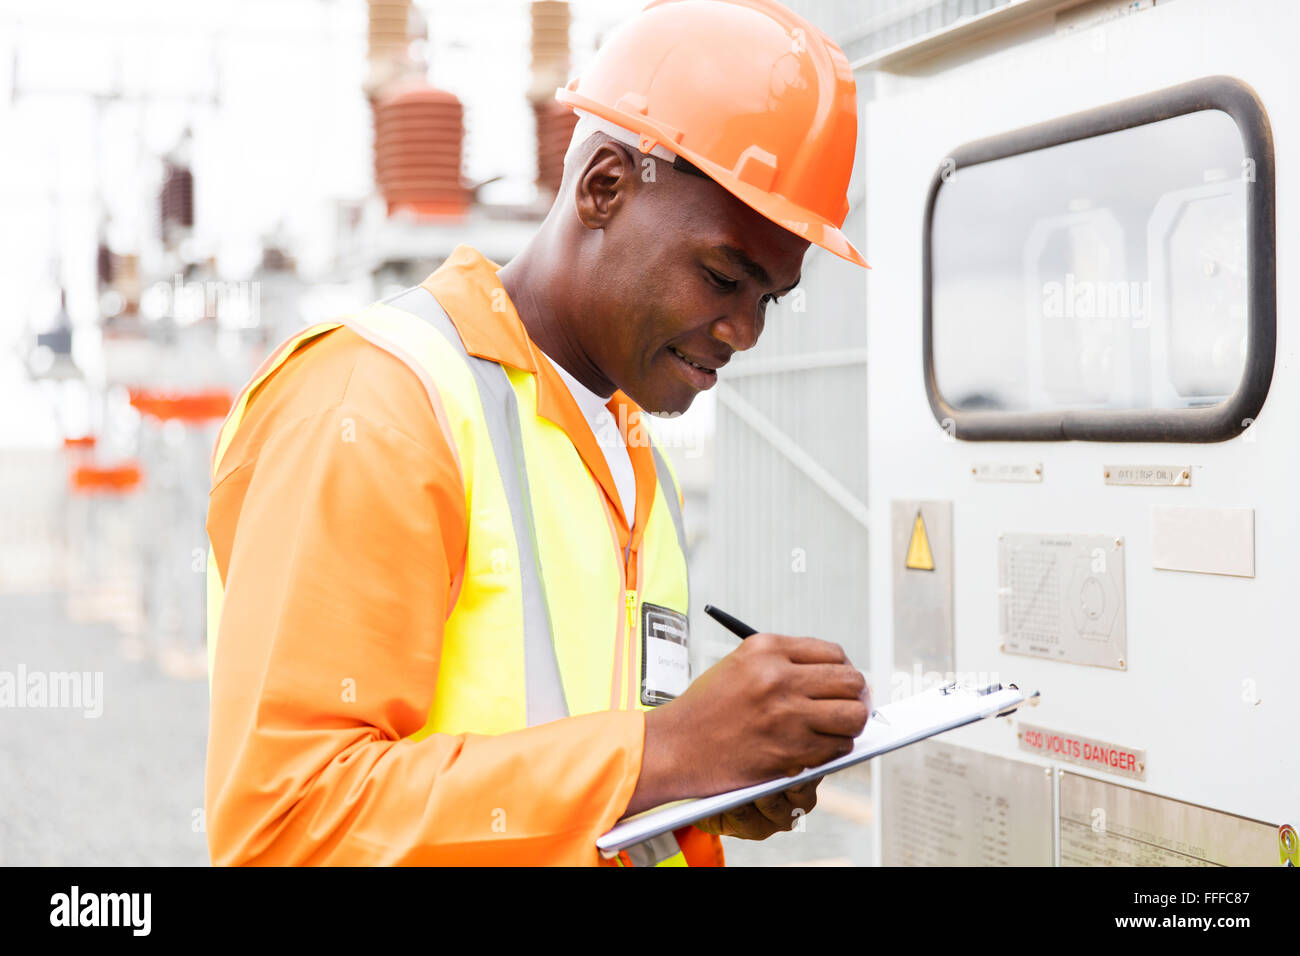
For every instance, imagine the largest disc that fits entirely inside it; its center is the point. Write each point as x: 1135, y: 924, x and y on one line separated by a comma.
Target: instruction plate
x: 1061, y: 597
x: 945, y: 805
x: 1106, y: 824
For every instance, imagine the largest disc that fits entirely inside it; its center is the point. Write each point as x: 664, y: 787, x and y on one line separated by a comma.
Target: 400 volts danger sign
x: 1084, y: 751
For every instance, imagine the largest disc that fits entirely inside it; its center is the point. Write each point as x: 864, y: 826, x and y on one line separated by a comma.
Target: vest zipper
x: 632, y: 640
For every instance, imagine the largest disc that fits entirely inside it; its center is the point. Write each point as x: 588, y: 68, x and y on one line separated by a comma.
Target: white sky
x: 271, y: 90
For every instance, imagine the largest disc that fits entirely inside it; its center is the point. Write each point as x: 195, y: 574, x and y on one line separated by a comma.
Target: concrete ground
x: 126, y: 787
x: 123, y: 788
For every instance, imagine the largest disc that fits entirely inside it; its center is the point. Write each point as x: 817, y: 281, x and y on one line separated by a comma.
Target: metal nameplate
x: 944, y: 805
x: 1007, y: 471
x: 1085, y: 751
x: 922, y: 586
x: 1167, y: 475
x: 1107, y: 824
x: 1061, y: 597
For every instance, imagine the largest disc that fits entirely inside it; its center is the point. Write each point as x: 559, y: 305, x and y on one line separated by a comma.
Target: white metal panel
x: 1211, y: 658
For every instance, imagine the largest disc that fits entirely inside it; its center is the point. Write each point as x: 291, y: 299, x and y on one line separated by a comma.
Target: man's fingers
x: 829, y: 681
x: 807, y: 787
x: 785, y: 809
x: 838, y: 718
x: 818, y: 749
x: 715, y: 824
x: 766, y: 815
x: 776, y: 809
x: 804, y: 796
x: 748, y: 822
x: 810, y: 649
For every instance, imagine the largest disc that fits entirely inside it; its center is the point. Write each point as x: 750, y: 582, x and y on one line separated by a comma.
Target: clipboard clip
x: 955, y: 687
x: 1030, y: 701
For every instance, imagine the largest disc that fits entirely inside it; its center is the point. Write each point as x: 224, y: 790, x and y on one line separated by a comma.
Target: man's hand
x: 766, y: 815
x: 774, y: 706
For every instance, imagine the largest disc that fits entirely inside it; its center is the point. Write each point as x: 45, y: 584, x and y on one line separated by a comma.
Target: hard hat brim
x: 775, y: 207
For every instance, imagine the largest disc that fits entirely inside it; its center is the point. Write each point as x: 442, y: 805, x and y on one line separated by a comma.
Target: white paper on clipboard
x: 904, y: 722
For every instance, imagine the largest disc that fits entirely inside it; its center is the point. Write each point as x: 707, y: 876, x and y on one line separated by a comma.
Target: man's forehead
x: 743, y: 260
x: 729, y: 227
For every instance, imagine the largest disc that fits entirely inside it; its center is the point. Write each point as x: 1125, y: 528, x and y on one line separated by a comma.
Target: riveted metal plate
x: 1061, y: 597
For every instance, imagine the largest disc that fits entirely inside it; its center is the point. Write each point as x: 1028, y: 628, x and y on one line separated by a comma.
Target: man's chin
x: 669, y: 407
x: 667, y: 413
x: 665, y: 403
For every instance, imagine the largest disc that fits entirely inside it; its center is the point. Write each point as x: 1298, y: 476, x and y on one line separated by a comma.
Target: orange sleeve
x: 335, y: 517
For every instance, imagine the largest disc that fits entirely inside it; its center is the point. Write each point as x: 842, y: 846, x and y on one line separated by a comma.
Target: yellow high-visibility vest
x: 544, y: 623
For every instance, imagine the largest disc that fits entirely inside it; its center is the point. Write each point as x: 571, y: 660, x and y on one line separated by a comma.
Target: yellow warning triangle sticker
x: 918, y: 552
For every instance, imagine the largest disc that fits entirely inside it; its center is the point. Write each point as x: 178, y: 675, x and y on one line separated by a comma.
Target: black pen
x: 737, y: 627
x: 743, y: 630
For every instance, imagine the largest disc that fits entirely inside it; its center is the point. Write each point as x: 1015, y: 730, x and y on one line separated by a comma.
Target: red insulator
x: 555, y: 123
x: 419, y: 141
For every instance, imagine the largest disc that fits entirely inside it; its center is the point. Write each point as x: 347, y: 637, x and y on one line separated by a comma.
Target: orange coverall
x: 338, y: 558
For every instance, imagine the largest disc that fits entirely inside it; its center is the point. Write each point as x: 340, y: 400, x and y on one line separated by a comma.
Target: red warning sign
x: 1083, y: 751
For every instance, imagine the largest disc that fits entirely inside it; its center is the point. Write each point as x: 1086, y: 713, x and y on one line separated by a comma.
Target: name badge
x: 665, y: 655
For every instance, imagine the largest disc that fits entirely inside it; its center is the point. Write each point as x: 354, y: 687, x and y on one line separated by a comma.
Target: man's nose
x: 740, y: 329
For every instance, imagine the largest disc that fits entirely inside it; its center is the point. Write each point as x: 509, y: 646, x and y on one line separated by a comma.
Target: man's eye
x: 721, y: 281
x: 774, y: 299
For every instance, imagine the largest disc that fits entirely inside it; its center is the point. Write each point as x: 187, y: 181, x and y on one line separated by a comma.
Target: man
x: 447, y: 624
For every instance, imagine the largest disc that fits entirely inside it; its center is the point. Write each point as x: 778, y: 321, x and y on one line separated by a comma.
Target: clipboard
x: 891, y: 727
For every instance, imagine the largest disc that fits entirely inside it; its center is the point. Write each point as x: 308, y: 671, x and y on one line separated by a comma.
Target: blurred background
x: 183, y: 185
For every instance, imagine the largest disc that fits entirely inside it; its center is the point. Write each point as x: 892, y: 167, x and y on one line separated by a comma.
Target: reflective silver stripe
x: 654, y: 850
x: 543, y: 686
x: 674, y: 507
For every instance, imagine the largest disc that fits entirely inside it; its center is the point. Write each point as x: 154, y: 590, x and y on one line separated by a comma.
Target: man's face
x: 687, y: 272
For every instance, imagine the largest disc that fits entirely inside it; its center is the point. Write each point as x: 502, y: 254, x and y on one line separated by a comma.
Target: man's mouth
x: 698, y: 375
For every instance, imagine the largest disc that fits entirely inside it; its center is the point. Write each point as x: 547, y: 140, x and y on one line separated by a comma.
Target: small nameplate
x: 1147, y: 474
x: 1007, y: 471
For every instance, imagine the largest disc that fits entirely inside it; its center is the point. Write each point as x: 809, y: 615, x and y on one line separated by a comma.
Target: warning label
x: 1084, y: 751
x: 919, y: 557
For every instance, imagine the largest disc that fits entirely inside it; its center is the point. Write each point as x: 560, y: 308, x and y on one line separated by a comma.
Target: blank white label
x: 1205, y: 540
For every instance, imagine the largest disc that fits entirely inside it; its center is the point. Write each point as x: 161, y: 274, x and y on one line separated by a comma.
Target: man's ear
x: 605, y: 184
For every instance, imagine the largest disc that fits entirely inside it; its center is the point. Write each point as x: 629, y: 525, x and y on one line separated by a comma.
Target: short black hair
x: 683, y: 166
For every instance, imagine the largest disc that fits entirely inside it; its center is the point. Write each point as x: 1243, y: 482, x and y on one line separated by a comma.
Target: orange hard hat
x: 747, y: 91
